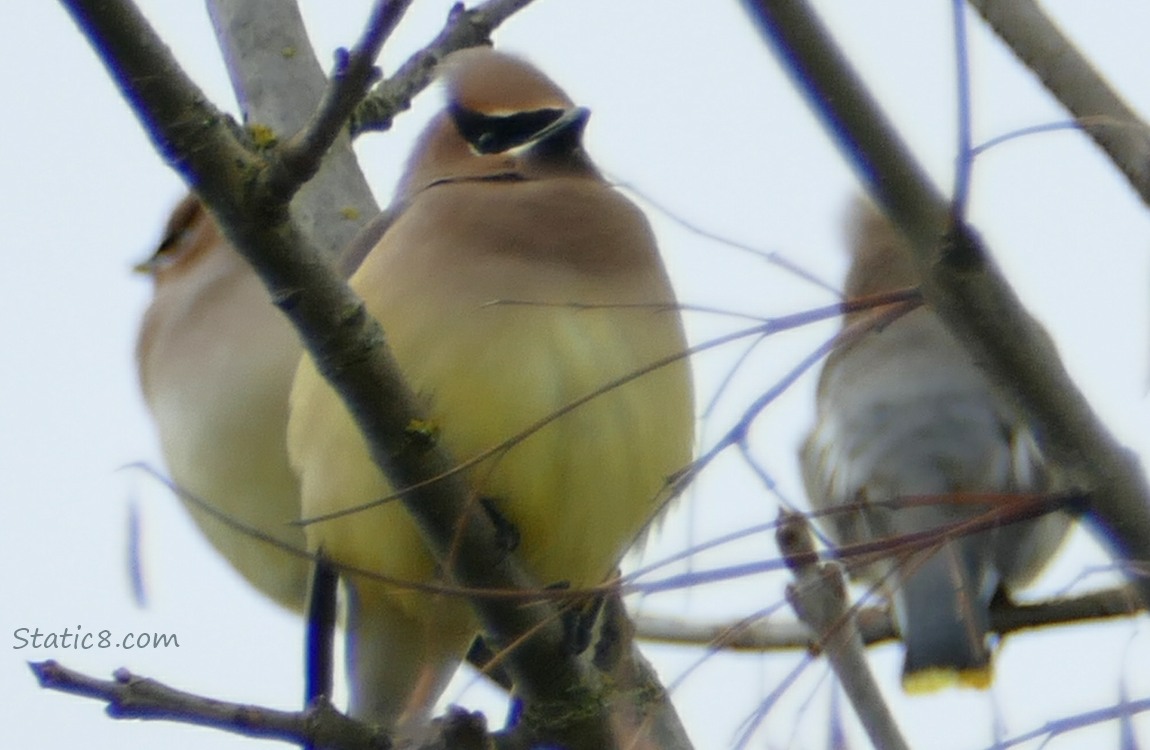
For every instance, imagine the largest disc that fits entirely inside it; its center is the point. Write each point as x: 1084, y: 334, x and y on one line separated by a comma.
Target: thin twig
x: 1023, y: 509
x: 899, y: 303
x: 297, y: 161
x: 964, y: 154
x: 906, y: 298
x: 464, y: 28
x: 767, y: 256
x: 1076, y: 721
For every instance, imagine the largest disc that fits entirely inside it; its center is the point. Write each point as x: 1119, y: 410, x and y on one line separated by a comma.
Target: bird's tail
x: 943, y: 614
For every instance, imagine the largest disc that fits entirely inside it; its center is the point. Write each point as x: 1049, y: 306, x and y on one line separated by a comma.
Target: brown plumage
x: 500, y: 204
x: 216, y: 360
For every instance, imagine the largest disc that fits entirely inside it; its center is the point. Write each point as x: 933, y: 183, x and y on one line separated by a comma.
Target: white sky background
x: 690, y: 107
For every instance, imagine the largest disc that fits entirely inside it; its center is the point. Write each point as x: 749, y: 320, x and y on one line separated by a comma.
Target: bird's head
x: 189, y: 234
x: 504, y: 119
x: 881, y: 258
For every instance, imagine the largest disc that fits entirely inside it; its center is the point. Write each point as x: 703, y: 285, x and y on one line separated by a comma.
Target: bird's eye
x: 494, y: 134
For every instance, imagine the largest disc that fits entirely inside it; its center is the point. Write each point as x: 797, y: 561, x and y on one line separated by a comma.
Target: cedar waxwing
x: 499, y: 204
x: 905, y: 412
x: 216, y: 361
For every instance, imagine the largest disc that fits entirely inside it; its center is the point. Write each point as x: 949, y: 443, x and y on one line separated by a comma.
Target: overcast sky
x: 691, y: 109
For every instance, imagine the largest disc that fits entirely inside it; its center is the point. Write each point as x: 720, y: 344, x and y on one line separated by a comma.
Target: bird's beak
x: 565, y: 132
x: 146, y: 267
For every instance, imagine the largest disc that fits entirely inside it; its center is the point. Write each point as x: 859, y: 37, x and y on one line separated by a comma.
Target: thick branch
x: 278, y: 82
x: 963, y: 286
x: 192, y: 136
x: 349, y: 349
x: 1099, y: 110
x: 642, y: 714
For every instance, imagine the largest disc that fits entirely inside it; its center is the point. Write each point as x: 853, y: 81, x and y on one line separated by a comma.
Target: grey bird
x: 904, y: 414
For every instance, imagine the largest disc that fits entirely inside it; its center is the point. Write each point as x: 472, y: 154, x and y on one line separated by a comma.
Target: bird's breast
x: 498, y: 343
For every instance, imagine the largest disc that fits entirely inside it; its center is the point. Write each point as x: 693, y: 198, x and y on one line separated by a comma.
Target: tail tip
x: 935, y: 678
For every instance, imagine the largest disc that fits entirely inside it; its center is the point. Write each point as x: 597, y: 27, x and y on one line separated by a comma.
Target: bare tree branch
x: 1006, y: 617
x: 464, y: 28
x: 644, y: 723
x: 1099, y: 110
x: 819, y: 598
x: 1052, y: 729
x: 131, y: 697
x: 279, y: 82
x: 875, y: 625
x: 321, y: 726
x: 642, y: 713
x: 297, y: 161
x: 963, y: 285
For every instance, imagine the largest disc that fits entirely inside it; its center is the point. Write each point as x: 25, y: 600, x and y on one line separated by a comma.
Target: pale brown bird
x: 216, y: 361
x: 903, y: 413
x: 513, y: 281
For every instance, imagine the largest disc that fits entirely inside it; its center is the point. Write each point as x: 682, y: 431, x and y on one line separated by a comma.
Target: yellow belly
x: 579, y: 490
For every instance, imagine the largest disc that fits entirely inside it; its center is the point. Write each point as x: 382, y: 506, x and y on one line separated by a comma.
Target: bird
x: 215, y: 362
x: 513, y: 280
x: 905, y: 412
